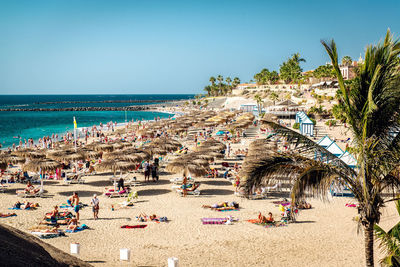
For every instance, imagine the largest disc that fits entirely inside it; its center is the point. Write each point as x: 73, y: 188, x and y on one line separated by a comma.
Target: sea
x: 20, y: 125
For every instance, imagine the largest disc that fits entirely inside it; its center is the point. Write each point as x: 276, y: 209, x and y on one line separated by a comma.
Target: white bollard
x: 75, y: 248
x: 124, y: 254
x: 173, y: 262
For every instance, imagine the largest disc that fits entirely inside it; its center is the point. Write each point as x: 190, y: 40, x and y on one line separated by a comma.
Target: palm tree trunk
x: 369, y: 244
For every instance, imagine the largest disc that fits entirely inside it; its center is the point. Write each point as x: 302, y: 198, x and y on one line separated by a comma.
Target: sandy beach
x: 324, y: 235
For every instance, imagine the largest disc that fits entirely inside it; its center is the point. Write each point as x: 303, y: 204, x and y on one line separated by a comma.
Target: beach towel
x: 78, y: 229
x: 232, y: 209
x: 8, y: 215
x: 267, y: 225
x: 134, y: 226
x: 18, y: 208
x: 283, y: 203
x: 214, y: 220
x: 48, y: 235
x: 351, y: 205
x: 67, y: 206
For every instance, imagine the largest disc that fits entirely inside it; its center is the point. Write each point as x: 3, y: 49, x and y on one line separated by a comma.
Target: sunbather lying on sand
x: 73, y: 224
x: 144, y: 218
x: 30, y: 188
x: 5, y: 215
x: 223, y: 206
x: 303, y: 205
x: 263, y: 219
x: 25, y: 205
x: 45, y: 230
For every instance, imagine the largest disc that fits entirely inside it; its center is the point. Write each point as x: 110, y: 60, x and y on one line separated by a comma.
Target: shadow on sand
x: 153, y: 192
x: 80, y: 193
x: 220, y: 192
x: 217, y: 182
x: 101, y: 183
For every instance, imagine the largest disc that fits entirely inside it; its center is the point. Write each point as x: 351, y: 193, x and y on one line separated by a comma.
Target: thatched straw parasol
x: 23, y: 152
x: 103, y: 147
x: 187, y: 168
x: 41, y: 164
x: 137, y: 152
x: 13, y: 159
x: 3, y: 164
x: 66, y: 156
x: 115, y: 165
x: 87, y: 153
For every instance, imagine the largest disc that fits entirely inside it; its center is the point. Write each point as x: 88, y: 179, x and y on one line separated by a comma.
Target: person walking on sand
x: 73, y: 201
x: 95, y: 206
x: 146, y: 171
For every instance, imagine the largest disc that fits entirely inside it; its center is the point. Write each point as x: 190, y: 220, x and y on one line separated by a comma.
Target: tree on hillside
x: 236, y: 82
x: 212, y: 80
x: 324, y: 71
x: 262, y: 77
x: 274, y: 96
x: 259, y: 100
x: 372, y: 110
x: 220, y: 80
x: 208, y: 89
x: 228, y: 81
x: 273, y: 77
x: 347, y: 61
x: 290, y: 70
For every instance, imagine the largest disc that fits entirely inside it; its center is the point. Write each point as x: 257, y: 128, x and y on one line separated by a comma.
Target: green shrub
x: 296, y: 125
x: 313, y: 121
x: 331, y: 123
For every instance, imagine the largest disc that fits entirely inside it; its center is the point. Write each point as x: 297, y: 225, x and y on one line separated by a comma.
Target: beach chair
x: 133, y: 182
x: 194, y: 190
x: 77, y: 179
x: 23, y: 193
x: 275, y: 187
x: 179, y: 180
x: 115, y: 193
x: 2, y: 188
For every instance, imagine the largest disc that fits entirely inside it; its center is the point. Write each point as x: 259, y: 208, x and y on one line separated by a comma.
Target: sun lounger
x: 133, y: 182
x: 114, y: 193
x: 23, y: 193
x: 179, y: 180
x: 194, y: 190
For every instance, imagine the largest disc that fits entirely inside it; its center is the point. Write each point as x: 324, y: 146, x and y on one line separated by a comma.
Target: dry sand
x: 324, y: 235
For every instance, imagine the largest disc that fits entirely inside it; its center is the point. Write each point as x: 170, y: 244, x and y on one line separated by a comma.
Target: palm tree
x: 390, y: 242
x: 346, y: 60
x: 297, y: 59
x: 220, y: 79
x: 372, y: 108
x: 212, y: 80
x: 274, y: 96
x: 259, y: 100
x: 228, y: 80
x: 236, y: 82
x: 208, y: 89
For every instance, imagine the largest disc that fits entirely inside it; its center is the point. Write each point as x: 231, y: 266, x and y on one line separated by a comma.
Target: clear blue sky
x: 138, y: 47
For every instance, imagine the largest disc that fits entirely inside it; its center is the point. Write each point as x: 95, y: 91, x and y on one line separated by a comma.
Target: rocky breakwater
x: 129, y: 108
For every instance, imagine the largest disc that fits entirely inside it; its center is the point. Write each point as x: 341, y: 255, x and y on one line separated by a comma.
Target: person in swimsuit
x: 73, y: 224
x: 73, y: 201
x: 184, y: 185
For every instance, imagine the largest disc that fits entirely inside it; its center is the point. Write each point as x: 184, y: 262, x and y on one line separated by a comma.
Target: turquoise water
x: 31, y: 124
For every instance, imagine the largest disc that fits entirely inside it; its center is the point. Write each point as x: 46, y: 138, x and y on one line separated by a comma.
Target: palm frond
x: 306, y: 146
